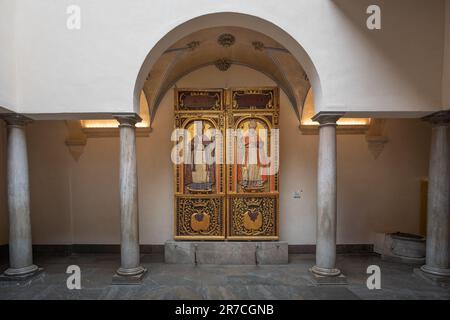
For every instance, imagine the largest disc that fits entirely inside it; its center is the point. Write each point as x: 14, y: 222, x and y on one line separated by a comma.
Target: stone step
x: 226, y: 252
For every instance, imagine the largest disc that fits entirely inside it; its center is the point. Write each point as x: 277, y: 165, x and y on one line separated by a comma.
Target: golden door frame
x: 227, y: 111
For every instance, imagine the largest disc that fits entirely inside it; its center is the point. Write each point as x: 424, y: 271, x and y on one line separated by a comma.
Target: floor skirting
x: 66, y: 250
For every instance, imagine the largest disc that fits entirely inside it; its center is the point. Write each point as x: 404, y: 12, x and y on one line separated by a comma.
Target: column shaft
x: 438, y: 215
x: 18, y: 197
x: 129, y: 246
x: 326, y: 197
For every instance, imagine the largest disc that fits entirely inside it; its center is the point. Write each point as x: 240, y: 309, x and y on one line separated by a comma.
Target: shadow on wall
x: 3, y: 210
x: 406, y: 39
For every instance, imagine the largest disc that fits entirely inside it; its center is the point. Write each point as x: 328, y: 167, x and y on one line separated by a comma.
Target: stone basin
x: 407, y: 245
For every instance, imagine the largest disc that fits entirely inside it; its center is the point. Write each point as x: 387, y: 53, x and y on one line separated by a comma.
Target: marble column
x: 130, y: 270
x: 18, y: 198
x: 438, y: 216
x: 326, y: 196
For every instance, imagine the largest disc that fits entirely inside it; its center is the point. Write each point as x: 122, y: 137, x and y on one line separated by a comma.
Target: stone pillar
x: 438, y: 216
x: 18, y: 198
x: 326, y: 196
x: 130, y: 271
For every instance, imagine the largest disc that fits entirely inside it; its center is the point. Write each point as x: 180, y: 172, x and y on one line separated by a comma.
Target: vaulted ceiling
x: 223, y: 47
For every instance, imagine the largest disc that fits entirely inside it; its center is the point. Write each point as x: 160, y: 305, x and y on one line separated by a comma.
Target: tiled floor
x: 165, y: 281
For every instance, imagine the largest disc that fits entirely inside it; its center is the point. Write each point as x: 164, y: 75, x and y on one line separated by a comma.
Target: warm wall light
x: 341, y: 122
x: 102, y: 124
x: 111, y: 124
x: 349, y: 125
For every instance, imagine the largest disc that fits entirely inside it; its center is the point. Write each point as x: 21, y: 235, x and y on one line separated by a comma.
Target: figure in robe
x: 250, y: 173
x: 200, y: 175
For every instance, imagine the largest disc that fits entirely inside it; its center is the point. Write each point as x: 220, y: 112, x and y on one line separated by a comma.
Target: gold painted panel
x: 255, y: 99
x: 254, y: 168
x: 199, y: 100
x: 253, y: 216
x: 199, y: 217
x: 204, y: 176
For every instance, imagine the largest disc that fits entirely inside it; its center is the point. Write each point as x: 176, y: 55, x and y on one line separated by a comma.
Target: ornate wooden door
x: 199, y: 184
x: 252, y: 181
x: 226, y: 175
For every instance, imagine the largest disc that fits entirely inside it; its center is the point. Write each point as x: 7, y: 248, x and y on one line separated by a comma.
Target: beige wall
x: 3, y: 211
x: 49, y: 162
x: 446, y: 64
x: 78, y: 201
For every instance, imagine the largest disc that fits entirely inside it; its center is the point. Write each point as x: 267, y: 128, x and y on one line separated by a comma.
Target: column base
x: 440, y: 272
x: 443, y: 281
x: 325, y: 272
x: 21, y: 274
x: 133, y: 276
x: 320, y: 279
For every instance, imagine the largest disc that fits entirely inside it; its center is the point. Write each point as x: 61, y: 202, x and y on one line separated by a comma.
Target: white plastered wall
x: 7, y: 56
x: 54, y: 70
x: 77, y: 202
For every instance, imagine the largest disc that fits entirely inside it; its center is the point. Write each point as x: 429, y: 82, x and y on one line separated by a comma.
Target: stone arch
x: 228, y: 19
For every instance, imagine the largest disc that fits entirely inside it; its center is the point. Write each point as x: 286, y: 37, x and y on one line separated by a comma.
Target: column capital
x: 440, y: 118
x: 327, y: 118
x: 127, y: 119
x: 15, y: 119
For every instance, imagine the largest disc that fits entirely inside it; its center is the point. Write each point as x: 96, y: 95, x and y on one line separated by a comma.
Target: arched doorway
x: 228, y: 20
x: 224, y: 201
